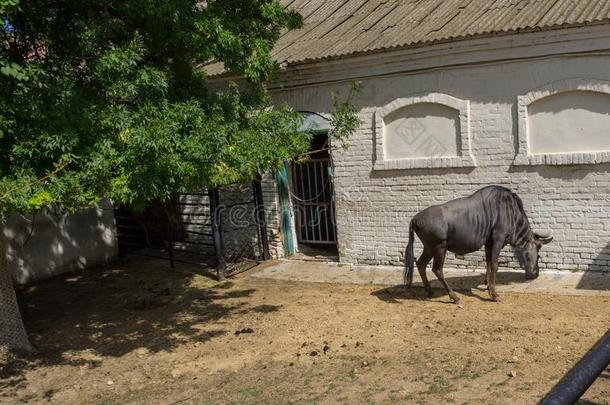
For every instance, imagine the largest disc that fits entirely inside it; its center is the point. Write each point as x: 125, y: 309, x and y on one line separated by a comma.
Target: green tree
x: 107, y: 99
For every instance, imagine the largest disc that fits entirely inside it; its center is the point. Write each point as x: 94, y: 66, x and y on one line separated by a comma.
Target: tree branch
x: 37, y: 181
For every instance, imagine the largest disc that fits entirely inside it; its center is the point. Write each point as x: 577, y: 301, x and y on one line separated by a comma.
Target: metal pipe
x: 215, y: 215
x: 261, y: 217
x: 582, y: 375
x: 303, y: 214
x: 319, y: 192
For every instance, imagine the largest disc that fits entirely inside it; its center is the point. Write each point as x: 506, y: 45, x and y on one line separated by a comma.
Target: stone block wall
x: 238, y: 222
x: 272, y: 216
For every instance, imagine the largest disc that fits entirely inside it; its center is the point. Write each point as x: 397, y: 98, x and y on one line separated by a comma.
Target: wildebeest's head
x: 528, y: 255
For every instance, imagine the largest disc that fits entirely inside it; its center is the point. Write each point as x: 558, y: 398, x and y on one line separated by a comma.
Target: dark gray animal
x: 492, y: 217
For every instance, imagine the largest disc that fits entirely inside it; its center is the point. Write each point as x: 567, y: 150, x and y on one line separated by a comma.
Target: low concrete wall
x: 43, y: 245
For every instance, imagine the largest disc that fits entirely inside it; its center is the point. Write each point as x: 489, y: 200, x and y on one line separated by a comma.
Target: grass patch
x: 252, y: 394
x: 439, y: 386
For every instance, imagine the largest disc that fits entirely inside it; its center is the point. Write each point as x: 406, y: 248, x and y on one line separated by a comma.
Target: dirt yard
x: 140, y: 333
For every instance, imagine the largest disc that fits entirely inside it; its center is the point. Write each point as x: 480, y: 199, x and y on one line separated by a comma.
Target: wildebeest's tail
x: 408, y: 273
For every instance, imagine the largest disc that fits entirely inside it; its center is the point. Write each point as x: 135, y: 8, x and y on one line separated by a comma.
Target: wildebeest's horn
x: 542, y: 235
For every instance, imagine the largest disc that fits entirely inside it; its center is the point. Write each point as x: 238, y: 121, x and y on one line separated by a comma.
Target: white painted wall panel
x: 574, y: 121
x: 422, y: 130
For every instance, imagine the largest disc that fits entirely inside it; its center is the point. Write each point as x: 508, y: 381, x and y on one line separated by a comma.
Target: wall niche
x: 567, y: 122
x: 431, y: 130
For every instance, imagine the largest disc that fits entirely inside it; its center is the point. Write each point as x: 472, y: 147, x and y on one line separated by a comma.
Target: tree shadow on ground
x: 136, y: 303
x: 463, y: 284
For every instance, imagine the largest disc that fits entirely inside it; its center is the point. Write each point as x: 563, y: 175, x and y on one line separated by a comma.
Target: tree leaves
x: 344, y: 119
x: 116, y: 86
x: 12, y: 70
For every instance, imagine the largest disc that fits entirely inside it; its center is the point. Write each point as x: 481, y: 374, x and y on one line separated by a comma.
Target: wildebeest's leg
x: 422, y: 263
x: 488, y: 262
x: 437, y: 268
x: 493, y: 269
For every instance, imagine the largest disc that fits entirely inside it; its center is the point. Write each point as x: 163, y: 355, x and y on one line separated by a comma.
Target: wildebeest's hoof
x: 430, y: 294
x: 496, y: 298
x: 456, y: 300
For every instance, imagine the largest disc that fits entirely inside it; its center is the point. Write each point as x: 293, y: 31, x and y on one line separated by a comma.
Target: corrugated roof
x: 333, y: 28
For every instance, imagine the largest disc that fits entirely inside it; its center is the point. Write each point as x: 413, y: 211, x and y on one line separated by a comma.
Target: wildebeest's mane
x: 515, y: 196
x: 518, y: 250
x: 519, y: 202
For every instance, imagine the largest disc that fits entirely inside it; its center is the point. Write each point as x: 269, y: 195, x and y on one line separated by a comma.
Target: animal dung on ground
x: 244, y: 330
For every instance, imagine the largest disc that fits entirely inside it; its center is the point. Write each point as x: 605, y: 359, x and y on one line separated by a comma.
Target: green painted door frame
x: 283, y: 190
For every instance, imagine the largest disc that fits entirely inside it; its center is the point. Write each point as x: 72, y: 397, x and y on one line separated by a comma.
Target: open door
x: 312, y: 193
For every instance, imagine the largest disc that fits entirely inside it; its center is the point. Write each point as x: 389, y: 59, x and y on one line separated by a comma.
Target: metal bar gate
x: 221, y: 228
x: 312, y: 199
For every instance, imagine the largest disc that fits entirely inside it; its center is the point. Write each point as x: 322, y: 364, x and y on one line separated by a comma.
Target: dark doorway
x: 313, y: 202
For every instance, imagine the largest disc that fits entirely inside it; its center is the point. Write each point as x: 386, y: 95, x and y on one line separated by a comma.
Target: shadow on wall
x: 599, y: 277
x: 238, y: 223
x: 44, y: 245
x: 563, y: 172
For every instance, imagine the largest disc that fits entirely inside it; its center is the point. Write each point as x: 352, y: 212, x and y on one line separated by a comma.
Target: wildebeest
x: 492, y: 217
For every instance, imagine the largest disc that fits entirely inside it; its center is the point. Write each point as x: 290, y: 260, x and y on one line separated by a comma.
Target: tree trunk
x: 12, y: 332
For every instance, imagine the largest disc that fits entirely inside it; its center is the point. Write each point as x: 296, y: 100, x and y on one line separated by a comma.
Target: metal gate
x: 222, y: 228
x: 312, y: 200
x: 187, y: 239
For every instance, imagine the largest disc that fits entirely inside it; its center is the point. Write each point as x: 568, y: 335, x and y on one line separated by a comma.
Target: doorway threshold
x: 316, y: 253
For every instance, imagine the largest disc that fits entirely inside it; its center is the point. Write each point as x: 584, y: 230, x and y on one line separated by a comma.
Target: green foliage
x: 107, y: 98
x: 40, y: 199
x: 344, y: 119
x: 13, y: 70
x: 8, y: 5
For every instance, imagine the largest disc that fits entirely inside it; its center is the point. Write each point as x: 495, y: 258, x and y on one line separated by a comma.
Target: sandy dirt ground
x: 137, y: 332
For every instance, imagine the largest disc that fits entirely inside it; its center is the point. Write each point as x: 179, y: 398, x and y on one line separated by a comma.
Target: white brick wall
x: 374, y: 207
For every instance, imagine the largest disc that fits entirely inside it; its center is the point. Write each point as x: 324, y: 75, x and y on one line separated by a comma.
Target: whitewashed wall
x: 44, y: 245
x: 374, y: 206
